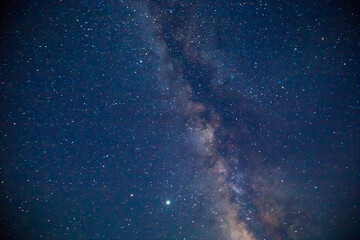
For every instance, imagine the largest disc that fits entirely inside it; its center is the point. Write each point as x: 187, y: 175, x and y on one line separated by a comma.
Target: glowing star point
x: 168, y: 202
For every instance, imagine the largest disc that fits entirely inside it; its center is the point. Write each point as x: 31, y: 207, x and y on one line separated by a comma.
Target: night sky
x: 180, y: 120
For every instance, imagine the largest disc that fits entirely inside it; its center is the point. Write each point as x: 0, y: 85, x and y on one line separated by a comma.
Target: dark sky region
x: 180, y: 120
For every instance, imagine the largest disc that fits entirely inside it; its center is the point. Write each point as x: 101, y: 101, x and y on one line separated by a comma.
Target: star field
x: 187, y: 120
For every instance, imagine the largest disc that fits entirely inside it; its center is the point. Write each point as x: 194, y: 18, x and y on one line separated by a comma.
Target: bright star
x: 168, y: 202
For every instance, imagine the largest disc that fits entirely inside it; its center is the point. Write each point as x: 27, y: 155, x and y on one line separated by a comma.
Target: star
x: 168, y: 202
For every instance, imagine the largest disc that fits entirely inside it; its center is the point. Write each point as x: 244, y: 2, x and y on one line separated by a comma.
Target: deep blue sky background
x: 106, y: 108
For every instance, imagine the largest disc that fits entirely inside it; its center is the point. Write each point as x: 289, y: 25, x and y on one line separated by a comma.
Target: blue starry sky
x: 180, y: 120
